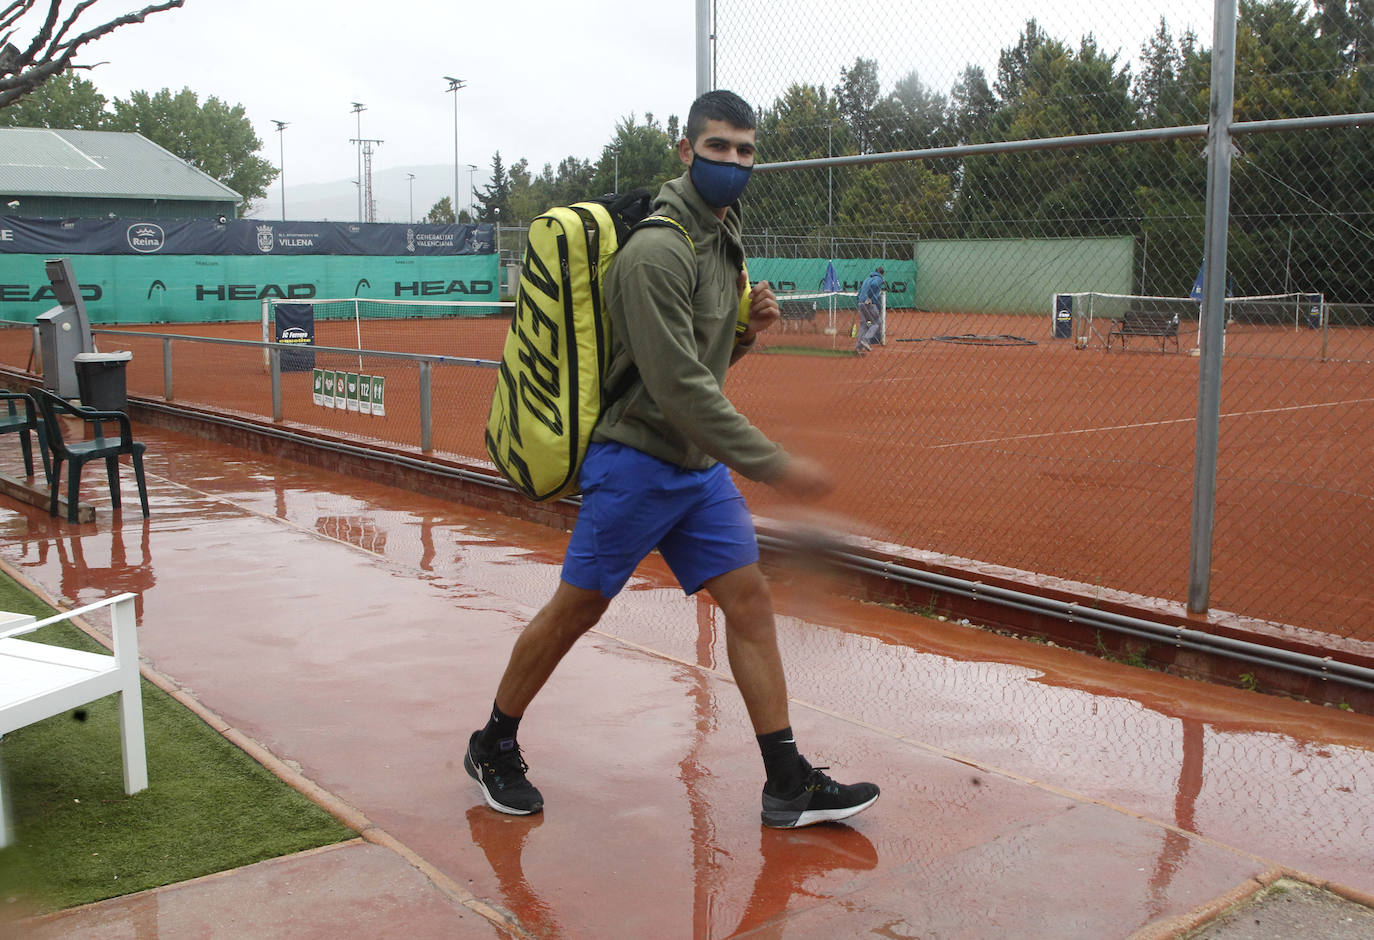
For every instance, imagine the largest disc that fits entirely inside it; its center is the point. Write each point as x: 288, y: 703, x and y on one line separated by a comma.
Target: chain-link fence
x: 911, y: 140
x: 1035, y: 403
x: 427, y: 403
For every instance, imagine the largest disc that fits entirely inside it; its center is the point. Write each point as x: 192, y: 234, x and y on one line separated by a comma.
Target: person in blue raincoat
x: 870, y: 311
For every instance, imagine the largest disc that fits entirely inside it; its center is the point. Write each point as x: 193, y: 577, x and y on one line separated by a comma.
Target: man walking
x: 657, y: 474
x: 870, y: 315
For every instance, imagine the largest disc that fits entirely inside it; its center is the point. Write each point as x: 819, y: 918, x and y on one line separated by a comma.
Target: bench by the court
x: 38, y: 680
x: 1161, y: 324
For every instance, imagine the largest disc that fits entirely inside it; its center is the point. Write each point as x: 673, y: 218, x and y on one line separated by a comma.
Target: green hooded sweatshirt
x: 673, y: 309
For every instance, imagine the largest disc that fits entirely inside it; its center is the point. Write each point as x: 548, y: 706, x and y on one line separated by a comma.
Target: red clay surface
x: 356, y: 632
x: 1071, y: 463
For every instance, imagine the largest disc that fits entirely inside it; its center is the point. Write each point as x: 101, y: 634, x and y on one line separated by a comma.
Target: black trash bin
x: 101, y: 381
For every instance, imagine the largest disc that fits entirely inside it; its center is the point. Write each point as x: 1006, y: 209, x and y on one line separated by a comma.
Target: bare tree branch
x: 10, y: 15
x: 50, y: 54
x: 70, y: 21
x: 41, y: 39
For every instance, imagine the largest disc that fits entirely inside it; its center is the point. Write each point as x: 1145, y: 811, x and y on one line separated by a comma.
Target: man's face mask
x: 720, y: 184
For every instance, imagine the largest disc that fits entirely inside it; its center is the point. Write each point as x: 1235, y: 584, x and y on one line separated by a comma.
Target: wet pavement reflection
x: 357, y: 631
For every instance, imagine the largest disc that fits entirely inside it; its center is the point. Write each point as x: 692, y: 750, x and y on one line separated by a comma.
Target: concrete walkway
x: 350, y: 636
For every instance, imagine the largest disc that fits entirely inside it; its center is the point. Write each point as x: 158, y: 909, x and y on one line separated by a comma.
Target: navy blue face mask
x: 720, y: 184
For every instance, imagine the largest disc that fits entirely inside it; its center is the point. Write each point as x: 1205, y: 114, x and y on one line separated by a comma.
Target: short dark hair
x: 718, y: 105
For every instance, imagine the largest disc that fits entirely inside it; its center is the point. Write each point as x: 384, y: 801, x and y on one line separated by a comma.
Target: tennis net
x: 831, y: 313
x: 449, y: 327
x: 1093, y: 312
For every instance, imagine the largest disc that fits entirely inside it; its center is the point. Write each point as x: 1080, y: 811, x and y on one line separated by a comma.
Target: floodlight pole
x: 1212, y: 329
x: 472, y: 168
x: 453, y: 85
x: 410, y: 178
x: 366, y: 144
x: 358, y: 109
x: 704, y: 38
x: 281, y: 165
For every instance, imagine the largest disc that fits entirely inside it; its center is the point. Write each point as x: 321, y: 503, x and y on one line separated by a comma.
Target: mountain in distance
x: 337, y: 201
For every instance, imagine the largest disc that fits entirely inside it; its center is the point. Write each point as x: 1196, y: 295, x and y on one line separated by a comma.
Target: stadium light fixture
x: 453, y: 85
x: 281, y: 163
x: 358, y: 109
x: 410, y: 178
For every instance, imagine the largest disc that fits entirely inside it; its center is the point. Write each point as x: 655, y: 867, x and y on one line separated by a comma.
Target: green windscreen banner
x: 120, y: 289
x: 807, y: 276
x: 1019, y: 275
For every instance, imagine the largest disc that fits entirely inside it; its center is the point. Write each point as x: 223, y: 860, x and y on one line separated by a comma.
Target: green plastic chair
x: 22, y: 418
x: 78, y: 453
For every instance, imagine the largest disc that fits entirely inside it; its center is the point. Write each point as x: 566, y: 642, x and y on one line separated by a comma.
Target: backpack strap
x: 663, y: 221
x: 632, y: 373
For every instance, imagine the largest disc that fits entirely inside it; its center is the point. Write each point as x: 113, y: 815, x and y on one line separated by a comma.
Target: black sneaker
x: 820, y: 799
x: 501, y: 775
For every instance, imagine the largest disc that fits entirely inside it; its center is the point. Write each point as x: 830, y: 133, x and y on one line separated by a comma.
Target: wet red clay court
x: 353, y: 634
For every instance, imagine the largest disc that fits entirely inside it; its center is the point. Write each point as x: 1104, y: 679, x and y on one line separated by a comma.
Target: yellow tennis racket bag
x: 549, y: 391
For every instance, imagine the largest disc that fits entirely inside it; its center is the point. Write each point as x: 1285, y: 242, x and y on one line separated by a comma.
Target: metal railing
x: 220, y: 373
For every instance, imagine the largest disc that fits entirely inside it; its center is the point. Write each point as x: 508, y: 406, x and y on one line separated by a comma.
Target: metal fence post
x: 167, y: 369
x: 426, y: 408
x: 1213, y: 330
x: 705, y: 80
x: 274, y: 360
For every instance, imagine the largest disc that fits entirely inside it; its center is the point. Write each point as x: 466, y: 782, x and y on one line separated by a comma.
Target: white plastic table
x: 38, y: 680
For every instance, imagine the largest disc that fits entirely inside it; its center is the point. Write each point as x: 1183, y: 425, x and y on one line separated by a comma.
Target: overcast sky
x: 546, y: 78
x: 531, y: 89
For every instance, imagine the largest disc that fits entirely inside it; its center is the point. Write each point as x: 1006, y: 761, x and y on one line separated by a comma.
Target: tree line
x: 1302, y: 202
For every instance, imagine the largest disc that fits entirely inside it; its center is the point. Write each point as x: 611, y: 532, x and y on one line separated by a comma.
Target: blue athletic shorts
x: 633, y: 503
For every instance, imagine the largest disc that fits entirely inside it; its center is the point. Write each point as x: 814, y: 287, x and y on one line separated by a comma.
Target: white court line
x: 1148, y: 424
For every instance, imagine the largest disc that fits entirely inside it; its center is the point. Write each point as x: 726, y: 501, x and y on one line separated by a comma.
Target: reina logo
x: 145, y: 237
x: 264, y: 238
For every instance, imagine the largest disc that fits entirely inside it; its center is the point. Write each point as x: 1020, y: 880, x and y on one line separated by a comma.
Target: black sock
x: 781, y: 761
x: 500, y: 727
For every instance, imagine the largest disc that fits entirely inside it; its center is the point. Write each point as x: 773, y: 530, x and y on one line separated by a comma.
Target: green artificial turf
x: 79, y: 838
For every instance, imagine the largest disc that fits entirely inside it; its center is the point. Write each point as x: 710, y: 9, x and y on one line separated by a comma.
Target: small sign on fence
x: 379, y: 396
x: 351, y: 391
x: 352, y: 384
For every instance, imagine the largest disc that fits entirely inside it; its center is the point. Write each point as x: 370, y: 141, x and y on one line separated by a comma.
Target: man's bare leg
x: 796, y: 794
x: 493, y: 757
x: 751, y: 642
x: 544, y: 642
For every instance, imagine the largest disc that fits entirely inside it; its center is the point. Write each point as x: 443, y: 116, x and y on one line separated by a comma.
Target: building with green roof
x: 64, y: 174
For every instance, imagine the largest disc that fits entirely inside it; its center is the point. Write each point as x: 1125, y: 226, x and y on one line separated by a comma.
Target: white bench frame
x: 38, y: 680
